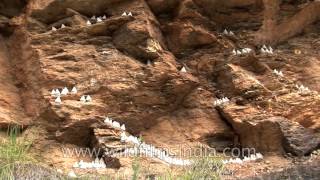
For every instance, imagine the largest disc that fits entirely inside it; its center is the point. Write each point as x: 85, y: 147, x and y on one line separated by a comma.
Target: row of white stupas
x: 221, y: 101
x: 97, y: 20
x: 85, y: 98
x: 126, y: 14
x: 241, y: 51
x: 54, y: 28
x: 150, y: 151
x: 143, y: 148
x: 252, y: 157
x: 229, y: 33
x: 65, y: 91
x: 96, y: 164
x: 266, y: 50
x: 114, y: 124
x: 278, y: 73
x: 302, y: 89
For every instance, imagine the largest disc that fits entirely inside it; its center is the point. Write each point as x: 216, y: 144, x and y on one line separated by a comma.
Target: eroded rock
x: 234, y: 80
x: 269, y: 134
x: 12, y: 8
x: 182, y: 37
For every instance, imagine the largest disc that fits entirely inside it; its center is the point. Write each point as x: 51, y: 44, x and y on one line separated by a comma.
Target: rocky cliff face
x: 130, y: 66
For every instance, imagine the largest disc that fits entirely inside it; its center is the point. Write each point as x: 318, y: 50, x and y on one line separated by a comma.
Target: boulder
x: 108, y: 26
x: 188, y: 12
x: 268, y: 133
x: 163, y: 6
x: 51, y: 11
x: 234, y: 80
x: 186, y: 36
x: 141, y: 38
x: 107, y: 140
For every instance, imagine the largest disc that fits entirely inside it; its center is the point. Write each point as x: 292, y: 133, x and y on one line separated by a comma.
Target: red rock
x: 269, y: 134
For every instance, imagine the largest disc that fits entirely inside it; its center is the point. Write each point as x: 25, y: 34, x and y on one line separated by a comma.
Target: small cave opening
x: 11, y: 8
x: 8, y: 10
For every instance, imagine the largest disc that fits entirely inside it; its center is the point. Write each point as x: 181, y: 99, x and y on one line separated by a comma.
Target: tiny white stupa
x: 116, y: 124
x: 63, y: 26
x: 130, y: 14
x: 231, y: 33
x: 74, y: 90
x: 267, y: 51
x: 104, y: 17
x: 123, y: 136
x: 75, y: 165
x: 183, y: 70
x: 124, y: 14
x: 93, y: 17
x: 101, y: 161
x: 225, y: 32
x: 89, y: 23
x: 108, y: 120
x: 259, y: 156
x: 123, y: 127
x: 234, y: 52
x: 88, y: 98
x: 270, y: 49
x: 83, y: 99
x: 58, y: 92
x: 53, y: 28
x: 53, y: 92
x: 58, y: 100
x: 280, y: 74
x: 72, y: 174
x: 99, y: 19
x: 64, y: 91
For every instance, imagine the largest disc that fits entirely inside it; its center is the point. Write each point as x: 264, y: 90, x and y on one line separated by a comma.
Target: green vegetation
x: 204, y: 168
x: 14, y: 155
x: 136, y: 167
x: 13, y: 151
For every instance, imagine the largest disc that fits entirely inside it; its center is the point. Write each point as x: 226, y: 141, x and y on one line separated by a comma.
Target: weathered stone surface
x: 108, y: 26
x: 11, y: 108
x: 108, y: 142
x: 186, y: 36
x: 269, y: 134
x: 234, y: 80
x: 163, y: 6
x: 141, y: 38
x: 12, y: 8
x: 53, y: 10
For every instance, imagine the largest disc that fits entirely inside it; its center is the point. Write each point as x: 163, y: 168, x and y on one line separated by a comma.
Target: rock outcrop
x: 269, y: 134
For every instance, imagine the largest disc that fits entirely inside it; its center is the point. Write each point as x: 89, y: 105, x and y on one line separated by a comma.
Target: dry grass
x: 13, y: 151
